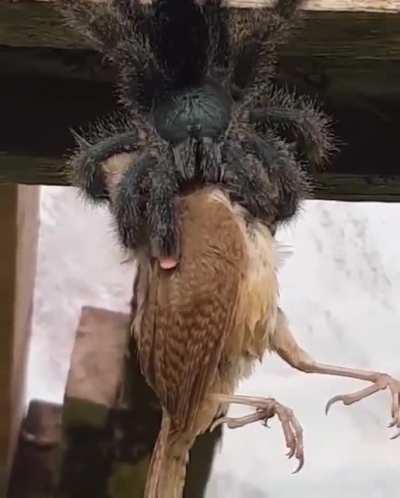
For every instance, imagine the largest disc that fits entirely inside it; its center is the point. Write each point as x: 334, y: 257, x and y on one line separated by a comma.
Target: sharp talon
x: 290, y: 454
x: 395, y: 436
x: 379, y: 382
x: 299, y: 467
x: 266, y: 408
x: 332, y: 401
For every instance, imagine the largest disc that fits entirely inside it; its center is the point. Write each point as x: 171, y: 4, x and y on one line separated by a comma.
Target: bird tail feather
x: 167, y: 470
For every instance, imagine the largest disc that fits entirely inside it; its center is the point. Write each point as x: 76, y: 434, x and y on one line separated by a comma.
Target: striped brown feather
x: 190, y: 311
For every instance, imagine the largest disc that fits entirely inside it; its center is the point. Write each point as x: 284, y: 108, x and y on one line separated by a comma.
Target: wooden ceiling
x: 348, y: 54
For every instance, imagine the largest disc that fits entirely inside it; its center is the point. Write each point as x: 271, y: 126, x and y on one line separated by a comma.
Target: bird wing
x: 189, y: 312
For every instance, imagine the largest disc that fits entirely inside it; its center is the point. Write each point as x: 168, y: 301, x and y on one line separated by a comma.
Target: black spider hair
x: 199, y: 106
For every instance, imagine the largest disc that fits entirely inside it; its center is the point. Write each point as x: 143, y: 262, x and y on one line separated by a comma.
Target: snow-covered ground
x: 340, y: 291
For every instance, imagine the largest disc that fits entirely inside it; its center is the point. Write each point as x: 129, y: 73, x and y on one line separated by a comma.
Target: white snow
x: 340, y: 290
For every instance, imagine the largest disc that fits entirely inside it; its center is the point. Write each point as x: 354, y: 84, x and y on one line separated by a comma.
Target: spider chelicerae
x: 199, y: 106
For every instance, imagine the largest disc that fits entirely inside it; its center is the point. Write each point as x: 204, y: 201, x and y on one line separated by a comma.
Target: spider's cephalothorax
x: 198, y: 107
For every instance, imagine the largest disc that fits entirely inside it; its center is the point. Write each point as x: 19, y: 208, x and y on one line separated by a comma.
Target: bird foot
x: 381, y: 382
x: 267, y: 408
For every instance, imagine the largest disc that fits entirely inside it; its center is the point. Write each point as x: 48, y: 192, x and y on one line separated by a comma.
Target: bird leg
x: 287, y: 348
x: 266, y: 408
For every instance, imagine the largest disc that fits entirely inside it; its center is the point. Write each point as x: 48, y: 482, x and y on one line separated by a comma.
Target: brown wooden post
x: 36, y: 464
x: 19, y: 207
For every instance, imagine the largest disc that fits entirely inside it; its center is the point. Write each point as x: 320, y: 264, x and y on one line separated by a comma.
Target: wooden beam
x: 95, y: 384
x: 8, y: 208
x: 39, y: 62
x: 331, y: 5
x: 97, y: 368
x: 333, y: 77
x: 371, y: 33
x: 345, y: 5
x: 35, y: 468
x: 40, y: 112
x: 31, y: 170
x: 19, y: 224
x: 45, y: 90
x: 27, y: 223
x: 328, y: 186
x: 348, y: 61
x: 345, y: 187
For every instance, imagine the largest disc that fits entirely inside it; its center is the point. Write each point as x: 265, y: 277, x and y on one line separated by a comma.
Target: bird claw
x: 263, y: 418
x: 383, y: 381
x: 292, y: 429
x: 293, y: 435
x: 299, y: 466
x: 392, y: 424
x: 267, y: 408
x: 332, y: 401
x: 290, y: 453
x: 395, y: 436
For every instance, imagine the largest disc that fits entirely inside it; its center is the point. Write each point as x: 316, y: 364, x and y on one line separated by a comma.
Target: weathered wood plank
x: 27, y: 223
x: 328, y: 186
x: 374, y: 32
x: 333, y: 76
x: 31, y: 154
x: 94, y: 435
x: 68, y: 87
x: 35, y: 468
x: 68, y: 64
x: 345, y: 5
x: 19, y: 224
x: 331, y: 5
x: 31, y: 170
x: 343, y: 187
x: 8, y: 209
x: 96, y: 369
x: 347, y: 61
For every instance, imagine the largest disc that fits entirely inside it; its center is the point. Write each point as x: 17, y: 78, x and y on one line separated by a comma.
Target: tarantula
x: 199, y: 107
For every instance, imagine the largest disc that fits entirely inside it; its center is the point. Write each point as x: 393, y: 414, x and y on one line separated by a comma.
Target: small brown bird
x: 202, y: 327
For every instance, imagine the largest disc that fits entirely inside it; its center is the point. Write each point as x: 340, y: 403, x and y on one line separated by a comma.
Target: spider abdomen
x: 196, y: 112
